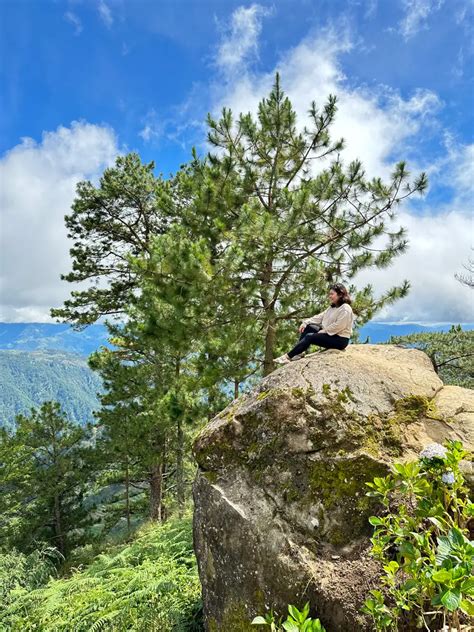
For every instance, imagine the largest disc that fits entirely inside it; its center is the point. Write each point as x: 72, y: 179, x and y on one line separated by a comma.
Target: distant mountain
x: 381, y: 332
x: 36, y: 336
x: 28, y: 378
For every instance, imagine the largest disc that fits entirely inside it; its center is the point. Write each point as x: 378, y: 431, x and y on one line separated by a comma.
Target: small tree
x: 45, y: 469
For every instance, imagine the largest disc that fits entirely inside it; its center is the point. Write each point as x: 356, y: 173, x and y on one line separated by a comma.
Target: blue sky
x: 84, y: 80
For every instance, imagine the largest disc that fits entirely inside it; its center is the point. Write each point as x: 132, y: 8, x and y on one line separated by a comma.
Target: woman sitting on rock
x: 331, y: 329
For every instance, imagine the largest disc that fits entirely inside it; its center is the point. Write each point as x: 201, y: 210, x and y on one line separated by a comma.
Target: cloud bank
x: 38, y: 183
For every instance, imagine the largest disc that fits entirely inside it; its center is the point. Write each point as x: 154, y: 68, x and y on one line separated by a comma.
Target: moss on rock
x: 234, y: 619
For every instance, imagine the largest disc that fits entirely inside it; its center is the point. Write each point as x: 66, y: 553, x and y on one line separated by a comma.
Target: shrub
x: 422, y: 540
x: 148, y: 585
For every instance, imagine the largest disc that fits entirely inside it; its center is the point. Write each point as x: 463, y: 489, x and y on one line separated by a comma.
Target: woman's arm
x: 317, y: 319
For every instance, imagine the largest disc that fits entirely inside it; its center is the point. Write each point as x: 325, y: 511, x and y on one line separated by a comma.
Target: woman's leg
x: 305, y: 341
x: 309, y: 329
x: 331, y: 342
x: 321, y: 340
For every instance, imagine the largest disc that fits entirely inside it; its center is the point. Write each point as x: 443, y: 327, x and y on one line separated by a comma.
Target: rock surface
x: 280, y: 505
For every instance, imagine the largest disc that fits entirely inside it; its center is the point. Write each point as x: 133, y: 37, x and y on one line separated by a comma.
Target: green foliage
x: 422, y: 541
x: 148, y: 585
x: 26, y: 572
x: 451, y: 352
x: 107, y: 222
x: 296, y: 621
x: 44, y: 471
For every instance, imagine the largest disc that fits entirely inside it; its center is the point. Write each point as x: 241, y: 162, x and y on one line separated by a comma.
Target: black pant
x: 309, y: 336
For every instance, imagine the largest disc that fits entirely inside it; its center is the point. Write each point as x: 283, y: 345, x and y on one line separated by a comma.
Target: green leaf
x: 443, y: 550
x: 451, y: 600
x: 305, y: 610
x: 392, y: 567
x: 467, y: 606
x: 456, y: 537
x: 291, y: 626
x: 435, y: 521
x: 259, y: 621
x: 295, y: 613
x: 442, y: 576
x: 467, y: 587
x: 408, y: 550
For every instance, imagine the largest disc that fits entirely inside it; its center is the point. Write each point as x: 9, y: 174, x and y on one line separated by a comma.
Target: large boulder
x: 280, y: 504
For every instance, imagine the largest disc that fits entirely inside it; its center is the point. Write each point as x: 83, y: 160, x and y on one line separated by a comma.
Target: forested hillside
x: 27, y: 378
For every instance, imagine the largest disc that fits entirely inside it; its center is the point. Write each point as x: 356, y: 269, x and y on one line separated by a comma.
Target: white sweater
x: 334, y: 320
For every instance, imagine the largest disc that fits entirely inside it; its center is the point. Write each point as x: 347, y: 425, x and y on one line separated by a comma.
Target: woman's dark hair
x: 342, y: 293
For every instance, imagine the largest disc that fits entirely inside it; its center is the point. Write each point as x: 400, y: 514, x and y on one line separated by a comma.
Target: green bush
x: 150, y: 584
x: 422, y: 540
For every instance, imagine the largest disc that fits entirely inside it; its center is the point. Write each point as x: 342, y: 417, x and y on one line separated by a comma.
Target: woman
x: 331, y: 329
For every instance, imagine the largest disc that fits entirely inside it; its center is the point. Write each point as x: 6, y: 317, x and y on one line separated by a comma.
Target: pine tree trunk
x: 58, y: 525
x: 156, y: 491
x: 179, y: 467
x: 179, y: 457
x: 127, y: 494
x: 270, y: 337
x: 236, y: 388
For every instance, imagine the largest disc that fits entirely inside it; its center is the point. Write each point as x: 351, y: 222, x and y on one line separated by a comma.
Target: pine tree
x: 45, y: 468
x: 107, y: 222
x: 132, y: 433
x: 171, y: 314
x: 296, y: 230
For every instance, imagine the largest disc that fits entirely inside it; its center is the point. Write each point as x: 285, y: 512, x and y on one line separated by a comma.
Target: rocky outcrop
x: 280, y: 505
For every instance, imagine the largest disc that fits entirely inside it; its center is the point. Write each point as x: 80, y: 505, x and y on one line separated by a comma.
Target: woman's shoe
x: 284, y: 359
x: 298, y: 356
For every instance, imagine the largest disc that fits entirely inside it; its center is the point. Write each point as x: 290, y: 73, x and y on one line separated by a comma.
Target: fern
x: 148, y: 584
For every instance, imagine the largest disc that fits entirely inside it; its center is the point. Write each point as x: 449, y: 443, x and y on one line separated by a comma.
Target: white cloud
x: 439, y: 245
x: 105, y: 14
x: 239, y: 43
x: 154, y: 126
x: 74, y: 20
x: 375, y: 121
x: 371, y: 9
x: 38, y: 181
x: 416, y: 15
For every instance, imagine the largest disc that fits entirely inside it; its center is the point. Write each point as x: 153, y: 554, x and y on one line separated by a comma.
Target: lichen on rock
x: 280, y: 505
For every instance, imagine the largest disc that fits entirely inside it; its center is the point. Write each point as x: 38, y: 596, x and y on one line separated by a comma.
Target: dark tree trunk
x: 58, y: 524
x: 156, y: 491
x: 127, y: 494
x: 179, y: 457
